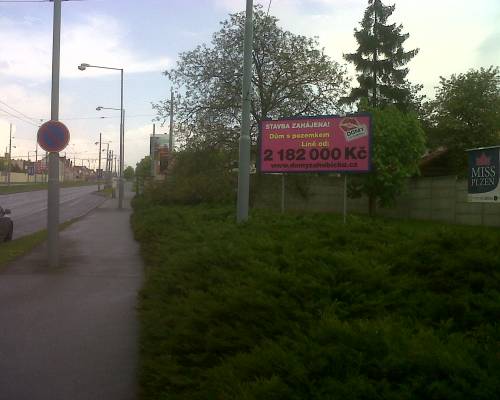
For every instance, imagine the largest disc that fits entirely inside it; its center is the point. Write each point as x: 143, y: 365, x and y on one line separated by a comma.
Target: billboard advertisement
x: 159, y: 151
x: 316, y: 144
x: 484, y: 169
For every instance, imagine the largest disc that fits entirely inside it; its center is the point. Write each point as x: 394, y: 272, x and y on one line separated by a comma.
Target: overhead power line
x: 19, y: 118
x: 33, y: 1
x: 19, y: 112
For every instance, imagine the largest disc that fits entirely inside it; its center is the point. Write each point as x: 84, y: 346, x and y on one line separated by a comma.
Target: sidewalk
x: 71, y: 332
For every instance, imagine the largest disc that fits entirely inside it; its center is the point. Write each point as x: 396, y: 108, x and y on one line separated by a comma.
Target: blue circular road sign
x: 53, y: 136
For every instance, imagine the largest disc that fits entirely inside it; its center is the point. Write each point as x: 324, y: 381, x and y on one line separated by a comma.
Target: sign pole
x: 53, y: 179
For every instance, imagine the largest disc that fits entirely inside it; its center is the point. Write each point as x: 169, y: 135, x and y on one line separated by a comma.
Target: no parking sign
x: 53, y: 136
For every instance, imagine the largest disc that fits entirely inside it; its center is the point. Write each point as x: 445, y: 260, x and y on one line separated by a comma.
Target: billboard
x: 316, y: 144
x: 159, y: 151
x: 484, y: 169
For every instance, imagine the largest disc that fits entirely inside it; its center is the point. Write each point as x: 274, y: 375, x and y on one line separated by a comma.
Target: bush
x: 197, y: 176
x: 304, y: 307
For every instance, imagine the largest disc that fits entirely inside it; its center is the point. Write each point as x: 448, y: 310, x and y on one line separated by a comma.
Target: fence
x: 439, y: 199
x: 22, y: 177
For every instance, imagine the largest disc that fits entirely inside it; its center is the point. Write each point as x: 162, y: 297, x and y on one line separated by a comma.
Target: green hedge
x: 304, y: 307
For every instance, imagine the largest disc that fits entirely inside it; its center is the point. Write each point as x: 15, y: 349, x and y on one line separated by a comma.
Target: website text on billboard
x: 316, y: 144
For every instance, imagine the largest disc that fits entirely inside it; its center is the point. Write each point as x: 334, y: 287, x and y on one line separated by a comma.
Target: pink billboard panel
x: 316, y: 144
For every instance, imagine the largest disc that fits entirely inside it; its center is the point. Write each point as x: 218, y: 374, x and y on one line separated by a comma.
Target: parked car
x: 6, y: 226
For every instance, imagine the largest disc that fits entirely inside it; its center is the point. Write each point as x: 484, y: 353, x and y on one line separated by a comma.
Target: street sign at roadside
x: 53, y: 136
x: 31, y: 170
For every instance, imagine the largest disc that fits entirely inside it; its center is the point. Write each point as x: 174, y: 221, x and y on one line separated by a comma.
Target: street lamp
x: 99, y: 172
x: 107, y: 158
x: 99, y: 108
x: 83, y: 67
x: 10, y: 155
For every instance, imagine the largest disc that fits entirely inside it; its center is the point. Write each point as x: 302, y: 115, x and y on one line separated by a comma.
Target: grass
x: 304, y: 307
x: 10, y: 251
x: 20, y: 188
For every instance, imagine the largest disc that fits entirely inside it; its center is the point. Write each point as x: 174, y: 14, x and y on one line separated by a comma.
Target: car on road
x: 6, y: 226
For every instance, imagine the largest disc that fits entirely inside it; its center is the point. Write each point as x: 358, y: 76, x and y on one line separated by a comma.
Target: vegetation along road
x: 29, y: 209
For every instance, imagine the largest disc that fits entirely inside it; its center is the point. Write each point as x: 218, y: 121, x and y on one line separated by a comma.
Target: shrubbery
x: 196, y: 176
x: 304, y: 307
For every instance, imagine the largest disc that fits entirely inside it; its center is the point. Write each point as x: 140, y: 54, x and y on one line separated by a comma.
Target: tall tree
x: 380, y: 59
x: 129, y: 173
x: 291, y: 76
x: 143, y: 167
x: 466, y: 113
x: 398, y: 144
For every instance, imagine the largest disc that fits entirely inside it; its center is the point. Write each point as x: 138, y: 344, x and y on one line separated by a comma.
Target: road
x: 29, y: 209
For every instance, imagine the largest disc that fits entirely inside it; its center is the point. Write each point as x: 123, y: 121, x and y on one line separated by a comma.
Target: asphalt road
x: 29, y: 209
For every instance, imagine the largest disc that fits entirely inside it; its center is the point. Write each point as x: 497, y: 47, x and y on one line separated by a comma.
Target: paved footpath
x: 71, y: 332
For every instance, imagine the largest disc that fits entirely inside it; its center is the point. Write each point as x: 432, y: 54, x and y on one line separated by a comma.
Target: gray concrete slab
x: 72, y: 332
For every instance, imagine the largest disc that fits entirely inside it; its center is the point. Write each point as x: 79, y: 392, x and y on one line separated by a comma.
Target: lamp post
x: 10, y: 157
x: 107, y: 161
x: 120, y: 182
x: 36, y: 159
x: 83, y: 67
x: 99, y: 173
x: 34, y: 165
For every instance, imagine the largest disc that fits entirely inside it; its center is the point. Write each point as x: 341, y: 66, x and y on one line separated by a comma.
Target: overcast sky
x: 145, y: 38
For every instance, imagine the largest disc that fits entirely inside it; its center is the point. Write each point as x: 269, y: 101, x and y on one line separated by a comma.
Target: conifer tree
x: 380, y: 59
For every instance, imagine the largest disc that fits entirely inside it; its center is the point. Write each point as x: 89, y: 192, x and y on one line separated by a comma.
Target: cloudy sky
x: 145, y: 37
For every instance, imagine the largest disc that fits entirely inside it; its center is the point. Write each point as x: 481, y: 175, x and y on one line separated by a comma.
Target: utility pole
x: 244, y: 156
x: 10, y: 157
x: 122, y: 147
x: 108, y: 168
x: 99, y: 173
x: 36, y: 159
x: 111, y: 162
x: 171, y: 131
x: 107, y: 165
x: 152, y: 151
